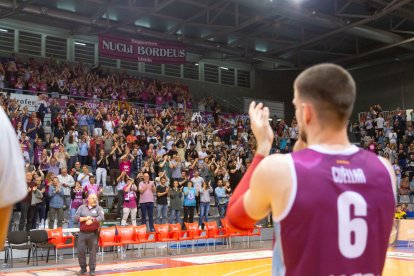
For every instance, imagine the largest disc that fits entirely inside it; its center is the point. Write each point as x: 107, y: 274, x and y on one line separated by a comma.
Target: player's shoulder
x: 277, y: 167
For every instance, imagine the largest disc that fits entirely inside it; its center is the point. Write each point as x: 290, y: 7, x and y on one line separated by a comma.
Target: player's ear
x: 307, y: 113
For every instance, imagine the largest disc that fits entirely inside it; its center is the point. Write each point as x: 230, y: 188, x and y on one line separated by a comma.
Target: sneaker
x: 92, y: 272
x: 82, y: 271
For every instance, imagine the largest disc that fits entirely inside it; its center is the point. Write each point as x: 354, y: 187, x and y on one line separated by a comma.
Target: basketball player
x: 332, y: 203
x: 13, y: 187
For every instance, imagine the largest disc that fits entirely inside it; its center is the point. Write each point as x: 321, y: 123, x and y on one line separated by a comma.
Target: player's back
x: 340, y: 214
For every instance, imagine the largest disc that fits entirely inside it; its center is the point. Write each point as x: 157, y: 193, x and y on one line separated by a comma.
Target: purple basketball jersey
x: 339, y: 216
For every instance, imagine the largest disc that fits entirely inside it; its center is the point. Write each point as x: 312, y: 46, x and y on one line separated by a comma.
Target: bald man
x: 89, y: 215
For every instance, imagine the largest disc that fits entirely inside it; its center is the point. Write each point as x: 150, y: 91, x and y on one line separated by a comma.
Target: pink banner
x: 141, y: 50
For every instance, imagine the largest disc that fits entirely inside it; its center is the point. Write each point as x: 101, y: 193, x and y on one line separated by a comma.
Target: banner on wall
x: 142, y: 50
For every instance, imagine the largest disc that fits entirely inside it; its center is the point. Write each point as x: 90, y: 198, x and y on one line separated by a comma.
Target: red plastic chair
x: 179, y: 234
x: 254, y: 232
x: 213, y: 232
x: 163, y: 234
x: 127, y: 237
x: 144, y: 237
x: 60, y: 241
x: 232, y: 233
x: 194, y: 233
x: 108, y: 238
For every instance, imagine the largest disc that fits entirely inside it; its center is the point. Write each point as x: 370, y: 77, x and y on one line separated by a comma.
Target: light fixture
x: 79, y: 43
x: 4, y: 31
x: 224, y: 68
x: 196, y: 64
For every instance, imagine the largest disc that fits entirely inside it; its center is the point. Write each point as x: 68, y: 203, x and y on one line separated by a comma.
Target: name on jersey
x: 342, y: 175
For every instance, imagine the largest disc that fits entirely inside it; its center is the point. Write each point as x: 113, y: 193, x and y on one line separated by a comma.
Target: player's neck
x: 330, y: 138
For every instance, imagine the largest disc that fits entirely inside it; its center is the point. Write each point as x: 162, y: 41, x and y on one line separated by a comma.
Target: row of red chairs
x: 123, y: 236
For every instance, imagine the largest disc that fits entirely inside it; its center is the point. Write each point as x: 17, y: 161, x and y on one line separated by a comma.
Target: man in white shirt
x: 83, y: 177
x: 198, y: 185
x: 203, y: 153
x: 379, y: 121
x: 12, y: 175
x: 67, y: 182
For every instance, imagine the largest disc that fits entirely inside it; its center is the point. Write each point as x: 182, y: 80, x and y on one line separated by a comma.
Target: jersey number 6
x: 352, y: 233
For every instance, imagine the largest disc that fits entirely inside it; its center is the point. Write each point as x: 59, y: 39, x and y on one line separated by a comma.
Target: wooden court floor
x: 256, y: 262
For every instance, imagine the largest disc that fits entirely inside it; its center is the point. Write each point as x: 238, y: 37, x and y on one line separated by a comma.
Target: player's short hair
x: 330, y: 88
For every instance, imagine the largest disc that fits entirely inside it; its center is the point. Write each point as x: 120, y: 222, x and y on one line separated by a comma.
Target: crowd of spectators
x: 391, y: 135
x: 165, y: 157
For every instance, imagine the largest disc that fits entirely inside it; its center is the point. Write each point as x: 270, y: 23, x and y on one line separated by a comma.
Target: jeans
x: 26, y: 217
x: 120, y: 198
x: 82, y: 159
x: 66, y: 202
x: 101, y: 175
x: 72, y: 222
x: 188, y: 213
x: 125, y: 214
x: 175, y: 216
x: 204, y: 208
x: 148, y: 207
x: 162, y: 213
x: 71, y: 162
x: 222, y: 211
x: 53, y: 213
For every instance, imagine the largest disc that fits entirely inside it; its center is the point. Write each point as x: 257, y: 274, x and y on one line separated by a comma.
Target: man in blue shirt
x: 56, y: 203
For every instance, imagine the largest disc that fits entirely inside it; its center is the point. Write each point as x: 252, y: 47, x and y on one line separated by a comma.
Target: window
x: 227, y: 75
x: 152, y: 68
x: 191, y: 71
x: 129, y: 65
x: 172, y: 70
x: 211, y: 73
x: 84, y: 52
x: 30, y: 43
x: 6, y: 40
x: 56, y: 47
x: 243, y: 78
x: 107, y: 62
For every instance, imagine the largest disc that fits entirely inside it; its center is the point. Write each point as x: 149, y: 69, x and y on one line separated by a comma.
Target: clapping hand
x: 259, y: 121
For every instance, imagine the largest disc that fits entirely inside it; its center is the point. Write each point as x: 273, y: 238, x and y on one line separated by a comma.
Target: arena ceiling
x: 268, y: 34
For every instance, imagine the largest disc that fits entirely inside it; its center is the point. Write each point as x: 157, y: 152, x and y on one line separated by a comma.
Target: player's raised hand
x: 259, y: 121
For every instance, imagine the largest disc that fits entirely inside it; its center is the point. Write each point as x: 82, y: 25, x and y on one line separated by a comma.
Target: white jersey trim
x: 393, y: 187
x: 293, y: 192
x: 347, y: 151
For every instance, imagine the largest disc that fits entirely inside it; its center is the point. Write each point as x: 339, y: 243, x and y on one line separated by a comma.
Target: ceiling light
x: 79, y: 43
x: 224, y: 68
x: 4, y: 31
x: 196, y: 64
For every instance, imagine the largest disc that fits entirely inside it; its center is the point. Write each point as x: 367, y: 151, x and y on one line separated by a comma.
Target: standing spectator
x: 204, y: 203
x: 121, y: 183
x: 102, y: 166
x: 67, y: 182
x: 223, y: 198
x: 190, y: 194
x: 130, y: 203
x: 56, y: 203
x: 83, y: 149
x: 146, y: 201
x: 72, y: 149
x: 175, y: 165
x: 162, y: 201
x: 77, y: 195
x: 197, y: 181
x: 37, y: 197
x: 84, y: 177
x: 89, y: 215
x: 92, y: 187
x: 27, y: 211
x: 176, y: 202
